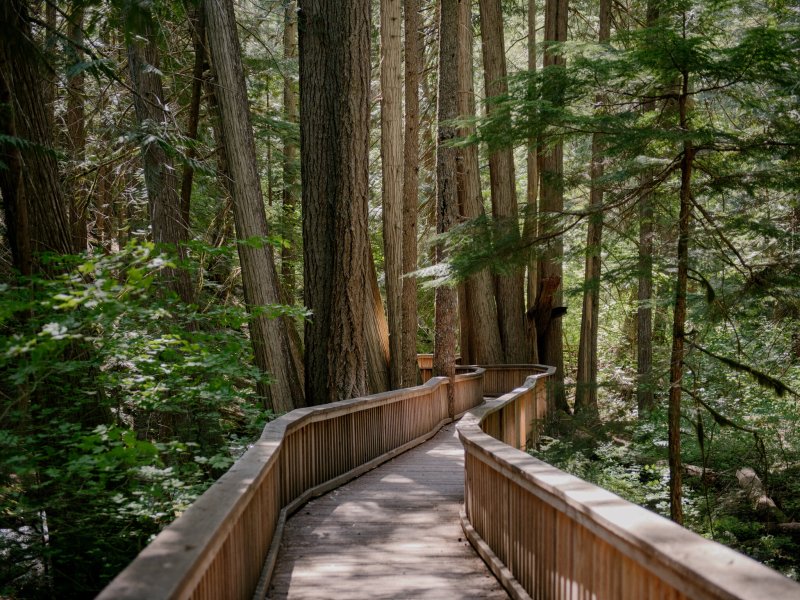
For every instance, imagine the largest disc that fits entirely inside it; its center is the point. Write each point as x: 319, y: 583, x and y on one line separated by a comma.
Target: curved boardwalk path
x: 392, y: 533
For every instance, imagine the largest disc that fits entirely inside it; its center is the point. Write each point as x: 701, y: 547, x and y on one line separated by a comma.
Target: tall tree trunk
x: 679, y: 317
x: 270, y: 337
x: 198, y: 30
x: 413, y: 67
x: 531, y: 226
x: 509, y: 288
x: 289, y: 254
x: 644, y: 329
x: 76, y: 129
x: 15, y: 207
x: 334, y: 145
x: 551, y: 205
x: 446, y: 191
x: 586, y: 389
x: 392, y: 181
x: 49, y: 76
x: 160, y: 176
x: 485, y: 346
x: 32, y: 197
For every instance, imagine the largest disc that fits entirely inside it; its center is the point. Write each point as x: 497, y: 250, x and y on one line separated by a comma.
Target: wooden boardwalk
x: 392, y: 533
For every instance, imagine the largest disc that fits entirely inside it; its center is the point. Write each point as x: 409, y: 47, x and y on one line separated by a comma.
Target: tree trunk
x: 392, y: 181
x: 160, y: 176
x: 32, y: 196
x: 270, y: 337
x: 76, y: 128
x: 509, y: 288
x: 679, y: 318
x: 482, y: 326
x: 198, y: 27
x: 586, y: 389
x: 644, y: 329
x: 334, y: 145
x: 551, y: 205
x: 531, y: 226
x: 413, y: 67
x: 289, y: 255
x: 446, y: 192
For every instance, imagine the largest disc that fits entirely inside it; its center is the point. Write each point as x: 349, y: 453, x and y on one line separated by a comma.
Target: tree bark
x: 198, y: 30
x: 413, y: 67
x: 270, y: 337
x: 551, y: 206
x: 392, y: 180
x: 644, y: 329
x: 160, y: 176
x: 446, y: 191
x: 482, y: 326
x: 509, y: 288
x: 32, y: 196
x: 679, y: 317
x: 75, y: 118
x: 334, y: 144
x: 531, y: 226
x: 586, y: 388
x: 289, y: 255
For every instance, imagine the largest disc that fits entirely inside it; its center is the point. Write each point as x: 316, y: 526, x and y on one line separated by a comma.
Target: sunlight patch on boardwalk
x: 392, y: 533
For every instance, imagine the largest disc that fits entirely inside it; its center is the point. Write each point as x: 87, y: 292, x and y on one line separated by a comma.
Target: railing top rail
x: 689, y: 562
x: 301, y: 416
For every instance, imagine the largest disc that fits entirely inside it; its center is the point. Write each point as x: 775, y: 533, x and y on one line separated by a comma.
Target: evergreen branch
x: 712, y: 223
x: 711, y: 295
x: 763, y: 379
x: 718, y: 417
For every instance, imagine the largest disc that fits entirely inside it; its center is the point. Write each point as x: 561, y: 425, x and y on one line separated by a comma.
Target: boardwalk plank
x: 391, y: 533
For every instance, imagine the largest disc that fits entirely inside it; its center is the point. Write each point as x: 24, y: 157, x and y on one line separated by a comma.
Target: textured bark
x: 270, y: 337
x: 531, y: 226
x: 551, y: 205
x: 446, y: 191
x: 392, y: 180
x: 509, y: 288
x: 480, y: 320
x: 49, y: 76
x: 644, y: 331
x: 289, y: 255
x: 413, y: 67
x: 32, y: 194
x: 679, y: 315
x: 198, y: 27
x: 586, y: 389
x: 15, y: 208
x: 159, y: 172
x: 75, y: 118
x: 334, y: 143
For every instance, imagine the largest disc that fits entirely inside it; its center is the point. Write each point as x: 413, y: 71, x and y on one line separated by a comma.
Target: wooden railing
x: 548, y: 535
x: 498, y: 379
x: 225, y: 544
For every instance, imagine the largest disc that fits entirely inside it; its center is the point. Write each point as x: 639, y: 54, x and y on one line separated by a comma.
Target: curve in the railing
x: 225, y: 544
x: 549, y: 535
